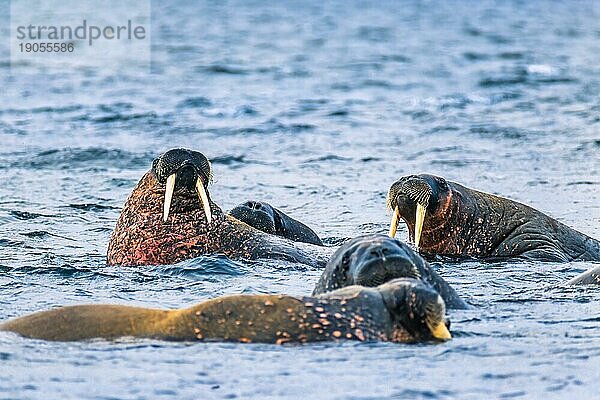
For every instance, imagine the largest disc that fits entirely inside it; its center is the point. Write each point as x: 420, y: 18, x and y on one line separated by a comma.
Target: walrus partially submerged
x: 269, y: 219
x: 589, y: 277
x: 448, y: 219
x: 403, y: 310
x: 170, y: 217
x: 371, y: 260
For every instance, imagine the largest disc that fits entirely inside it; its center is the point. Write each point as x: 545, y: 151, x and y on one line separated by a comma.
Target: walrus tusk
x: 204, y: 199
x: 168, y: 195
x: 441, y: 332
x: 419, y: 219
x: 394, y: 223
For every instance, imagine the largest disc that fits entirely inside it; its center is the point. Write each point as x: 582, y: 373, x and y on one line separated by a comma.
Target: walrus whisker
x: 204, y: 199
x: 168, y: 195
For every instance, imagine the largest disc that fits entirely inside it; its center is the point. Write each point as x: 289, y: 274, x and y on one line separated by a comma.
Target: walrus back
x: 87, y: 322
x: 507, y: 228
x: 241, y: 318
x: 251, y: 318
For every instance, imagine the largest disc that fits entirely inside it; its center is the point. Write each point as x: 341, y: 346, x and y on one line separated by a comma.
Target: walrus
x: 371, y: 260
x: 170, y: 217
x: 403, y: 310
x: 448, y: 219
x: 589, y: 277
x: 269, y: 219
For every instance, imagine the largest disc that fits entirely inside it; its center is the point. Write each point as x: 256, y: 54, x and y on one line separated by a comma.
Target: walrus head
x: 169, y: 217
x: 183, y: 172
x: 369, y: 260
x: 417, y: 309
x: 269, y: 219
x: 374, y: 259
x: 412, y: 198
x: 259, y: 215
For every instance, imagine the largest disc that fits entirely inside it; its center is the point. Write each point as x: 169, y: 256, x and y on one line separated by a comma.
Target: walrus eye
x: 170, y: 187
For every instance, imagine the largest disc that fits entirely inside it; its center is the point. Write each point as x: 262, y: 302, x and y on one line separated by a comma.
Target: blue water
x: 316, y: 108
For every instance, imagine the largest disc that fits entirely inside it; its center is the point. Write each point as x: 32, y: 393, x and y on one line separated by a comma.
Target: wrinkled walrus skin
x: 269, y: 219
x: 371, y: 260
x: 404, y: 310
x: 589, y: 277
x: 447, y: 219
x: 143, y: 236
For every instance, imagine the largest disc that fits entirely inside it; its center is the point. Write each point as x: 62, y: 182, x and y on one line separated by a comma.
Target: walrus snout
x: 183, y: 169
x: 417, y: 308
x: 411, y: 198
x: 256, y: 214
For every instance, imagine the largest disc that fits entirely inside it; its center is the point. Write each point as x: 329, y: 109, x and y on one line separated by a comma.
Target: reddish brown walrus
x: 170, y: 217
x: 402, y: 310
x: 445, y: 218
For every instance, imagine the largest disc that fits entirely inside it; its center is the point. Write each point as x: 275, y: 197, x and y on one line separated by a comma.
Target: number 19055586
x: 46, y: 47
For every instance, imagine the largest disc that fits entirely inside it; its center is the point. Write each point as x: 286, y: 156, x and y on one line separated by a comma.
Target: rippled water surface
x: 316, y: 108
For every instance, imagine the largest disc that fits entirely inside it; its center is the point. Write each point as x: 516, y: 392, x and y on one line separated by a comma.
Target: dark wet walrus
x: 445, y: 218
x: 170, y: 217
x: 403, y: 310
x: 371, y: 260
x: 267, y: 218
